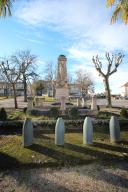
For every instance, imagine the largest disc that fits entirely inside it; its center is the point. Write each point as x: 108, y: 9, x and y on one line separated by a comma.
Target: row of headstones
x: 114, y: 127
x: 38, y: 102
x: 81, y: 103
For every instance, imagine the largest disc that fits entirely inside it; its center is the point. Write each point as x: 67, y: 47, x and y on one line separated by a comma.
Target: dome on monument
x: 62, y: 57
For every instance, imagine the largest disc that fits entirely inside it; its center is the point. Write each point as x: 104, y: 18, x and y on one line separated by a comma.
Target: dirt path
x: 89, y: 178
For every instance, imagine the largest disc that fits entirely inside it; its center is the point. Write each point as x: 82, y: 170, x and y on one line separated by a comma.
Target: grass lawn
x: 49, y: 99
x: 1, y: 98
x: 43, y: 152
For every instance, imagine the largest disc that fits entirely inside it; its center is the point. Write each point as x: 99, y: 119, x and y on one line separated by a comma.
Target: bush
x: 98, y: 107
x: 69, y: 103
x: 56, y: 103
x: 54, y: 112
x: 24, y: 109
x: 123, y: 113
x: 17, y: 115
x: 73, y: 113
x: 3, y: 115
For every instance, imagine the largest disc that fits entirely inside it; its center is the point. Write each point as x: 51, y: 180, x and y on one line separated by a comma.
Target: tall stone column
x: 62, y: 89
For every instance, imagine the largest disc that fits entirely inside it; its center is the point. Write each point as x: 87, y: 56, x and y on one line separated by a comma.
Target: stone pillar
x: 39, y: 102
x: 87, y: 131
x: 30, y: 103
x: 83, y: 102
x: 59, y: 132
x: 62, y: 89
x: 63, y: 106
x: 27, y: 133
x: 78, y: 102
x: 114, y: 128
x: 94, y: 103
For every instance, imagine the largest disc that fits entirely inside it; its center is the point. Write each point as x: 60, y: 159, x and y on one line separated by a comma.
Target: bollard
x: 27, y: 133
x: 87, y: 131
x: 114, y: 128
x: 59, y: 132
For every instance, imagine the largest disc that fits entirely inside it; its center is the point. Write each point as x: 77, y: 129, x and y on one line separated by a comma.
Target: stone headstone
x: 94, y: 103
x: 59, y: 132
x: 27, y: 133
x: 114, y: 128
x: 39, y: 102
x: 87, y: 131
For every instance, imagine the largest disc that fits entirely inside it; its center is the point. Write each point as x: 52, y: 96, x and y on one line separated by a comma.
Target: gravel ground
x: 89, y: 178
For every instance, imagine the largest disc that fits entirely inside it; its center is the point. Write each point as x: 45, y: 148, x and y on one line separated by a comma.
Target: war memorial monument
x: 62, y: 89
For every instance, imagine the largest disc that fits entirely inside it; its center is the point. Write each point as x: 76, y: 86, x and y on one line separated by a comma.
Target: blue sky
x: 78, y: 29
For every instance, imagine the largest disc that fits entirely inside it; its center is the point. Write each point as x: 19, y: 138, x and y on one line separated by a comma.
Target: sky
x: 78, y: 29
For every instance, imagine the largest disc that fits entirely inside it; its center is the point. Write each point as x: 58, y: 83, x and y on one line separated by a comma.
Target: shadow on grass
x: 99, y: 155
x: 124, y: 142
x: 43, y: 184
x: 7, y: 161
x: 61, y: 157
x: 109, y: 176
x: 115, y: 148
x: 42, y: 136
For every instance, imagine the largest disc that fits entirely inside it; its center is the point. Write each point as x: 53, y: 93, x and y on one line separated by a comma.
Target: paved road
x: 9, y: 103
x: 115, y: 103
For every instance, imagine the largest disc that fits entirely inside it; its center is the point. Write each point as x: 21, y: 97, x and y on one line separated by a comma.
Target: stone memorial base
x: 62, y: 92
x: 94, y: 103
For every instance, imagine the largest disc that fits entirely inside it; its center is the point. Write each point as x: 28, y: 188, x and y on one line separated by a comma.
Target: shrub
x: 3, y: 115
x: 98, y: 107
x: 56, y: 103
x: 123, y: 113
x: 73, y: 113
x: 24, y: 109
x: 104, y: 114
x: 54, y: 112
x: 69, y: 103
x: 17, y: 115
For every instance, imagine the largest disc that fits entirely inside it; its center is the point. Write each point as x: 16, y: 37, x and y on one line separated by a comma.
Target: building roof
x: 125, y: 85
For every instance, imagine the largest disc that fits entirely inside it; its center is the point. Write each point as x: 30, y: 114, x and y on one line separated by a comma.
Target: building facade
x: 124, y: 90
x: 7, y: 90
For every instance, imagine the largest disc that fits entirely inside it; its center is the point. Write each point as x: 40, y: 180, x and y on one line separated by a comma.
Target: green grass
x: 44, y: 153
x: 1, y: 98
x: 47, y: 99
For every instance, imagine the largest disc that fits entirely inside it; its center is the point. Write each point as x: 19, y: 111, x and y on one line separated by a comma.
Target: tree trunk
x: 107, y: 91
x: 25, y: 88
x: 15, y: 99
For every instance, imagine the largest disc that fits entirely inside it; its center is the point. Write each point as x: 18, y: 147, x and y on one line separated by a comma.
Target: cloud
x: 86, y: 24
x: 83, y: 20
x: 63, y: 15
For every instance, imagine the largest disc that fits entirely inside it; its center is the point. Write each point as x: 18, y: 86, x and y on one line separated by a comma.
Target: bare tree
x: 27, y: 63
x: 50, y: 76
x: 12, y: 74
x: 84, y: 82
x: 116, y: 59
